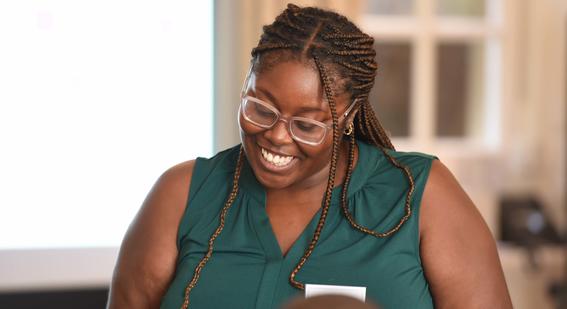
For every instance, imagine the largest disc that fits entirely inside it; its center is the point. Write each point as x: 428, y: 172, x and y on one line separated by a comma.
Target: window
x: 390, y: 96
x: 439, y: 72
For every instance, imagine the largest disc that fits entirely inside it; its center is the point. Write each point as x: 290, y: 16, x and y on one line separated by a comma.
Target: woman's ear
x: 348, y: 128
x: 350, y: 117
x: 355, y: 107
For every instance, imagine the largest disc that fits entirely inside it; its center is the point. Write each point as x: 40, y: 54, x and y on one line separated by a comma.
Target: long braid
x: 339, y: 50
x: 332, y: 173
x: 205, y: 259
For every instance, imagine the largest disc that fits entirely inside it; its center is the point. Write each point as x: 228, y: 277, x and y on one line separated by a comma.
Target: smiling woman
x: 315, y: 194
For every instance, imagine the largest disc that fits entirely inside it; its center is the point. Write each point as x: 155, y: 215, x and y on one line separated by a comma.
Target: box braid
x: 344, y: 57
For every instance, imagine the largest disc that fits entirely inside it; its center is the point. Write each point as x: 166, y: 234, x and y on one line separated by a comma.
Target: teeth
x: 276, y: 159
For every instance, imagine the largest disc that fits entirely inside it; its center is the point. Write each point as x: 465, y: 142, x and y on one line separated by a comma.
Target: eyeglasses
x: 304, y: 130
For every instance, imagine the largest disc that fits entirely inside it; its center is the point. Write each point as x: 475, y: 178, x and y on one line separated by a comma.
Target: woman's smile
x: 276, y: 162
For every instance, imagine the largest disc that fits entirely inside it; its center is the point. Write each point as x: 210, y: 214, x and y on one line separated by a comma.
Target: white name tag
x: 358, y: 292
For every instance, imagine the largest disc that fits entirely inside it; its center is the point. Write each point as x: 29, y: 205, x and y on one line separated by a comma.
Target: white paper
x: 358, y: 292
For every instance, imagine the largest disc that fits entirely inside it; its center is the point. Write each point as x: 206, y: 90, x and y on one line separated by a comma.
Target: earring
x: 350, y: 128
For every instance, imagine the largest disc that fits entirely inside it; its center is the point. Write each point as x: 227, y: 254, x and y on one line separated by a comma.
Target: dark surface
x: 84, y: 299
x: 390, y: 96
x: 453, y: 88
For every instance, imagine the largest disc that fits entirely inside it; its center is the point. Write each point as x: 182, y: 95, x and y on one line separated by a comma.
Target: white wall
x: 97, y: 99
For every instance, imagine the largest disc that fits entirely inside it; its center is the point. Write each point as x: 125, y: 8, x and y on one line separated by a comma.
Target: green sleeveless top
x: 247, y: 268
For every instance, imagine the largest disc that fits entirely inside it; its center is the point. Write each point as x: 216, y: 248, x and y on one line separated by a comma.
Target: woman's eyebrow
x: 272, y: 99
x: 268, y: 94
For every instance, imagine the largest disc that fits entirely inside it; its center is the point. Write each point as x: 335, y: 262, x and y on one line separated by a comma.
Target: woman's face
x: 293, y: 88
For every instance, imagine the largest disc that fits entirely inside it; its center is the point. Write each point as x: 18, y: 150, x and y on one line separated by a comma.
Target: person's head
x: 329, y: 302
x: 310, y: 64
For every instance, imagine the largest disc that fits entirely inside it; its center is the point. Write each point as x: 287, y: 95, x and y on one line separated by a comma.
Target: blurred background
x: 98, y: 98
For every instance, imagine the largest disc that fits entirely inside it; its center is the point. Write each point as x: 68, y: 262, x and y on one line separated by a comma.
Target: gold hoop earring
x: 350, y: 128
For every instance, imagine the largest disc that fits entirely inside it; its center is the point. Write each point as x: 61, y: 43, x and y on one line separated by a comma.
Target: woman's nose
x: 279, y: 134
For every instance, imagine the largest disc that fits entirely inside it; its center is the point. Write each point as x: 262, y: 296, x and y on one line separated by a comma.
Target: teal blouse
x: 247, y: 268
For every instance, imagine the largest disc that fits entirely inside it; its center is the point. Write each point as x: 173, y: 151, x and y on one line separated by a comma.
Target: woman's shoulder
x: 457, y: 249
x: 177, y: 179
x: 170, y: 191
x: 150, y: 242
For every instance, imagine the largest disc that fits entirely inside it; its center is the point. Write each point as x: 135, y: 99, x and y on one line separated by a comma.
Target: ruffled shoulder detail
x: 380, y: 202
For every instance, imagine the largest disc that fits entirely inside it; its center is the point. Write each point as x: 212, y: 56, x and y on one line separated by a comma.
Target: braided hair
x: 345, y: 58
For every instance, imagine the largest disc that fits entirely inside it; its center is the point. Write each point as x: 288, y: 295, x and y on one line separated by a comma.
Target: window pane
x: 461, y: 7
x: 390, y: 96
x: 460, y: 70
x: 389, y: 7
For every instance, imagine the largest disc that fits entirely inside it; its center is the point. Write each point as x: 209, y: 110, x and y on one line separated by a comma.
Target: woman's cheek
x: 247, y: 128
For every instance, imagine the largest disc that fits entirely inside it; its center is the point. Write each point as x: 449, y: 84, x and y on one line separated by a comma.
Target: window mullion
x: 422, y: 105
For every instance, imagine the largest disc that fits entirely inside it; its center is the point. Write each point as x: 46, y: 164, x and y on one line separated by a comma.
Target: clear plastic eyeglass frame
x: 278, y: 116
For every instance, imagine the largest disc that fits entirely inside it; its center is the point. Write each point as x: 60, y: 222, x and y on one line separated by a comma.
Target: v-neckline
x: 263, y: 226
x: 270, y: 242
